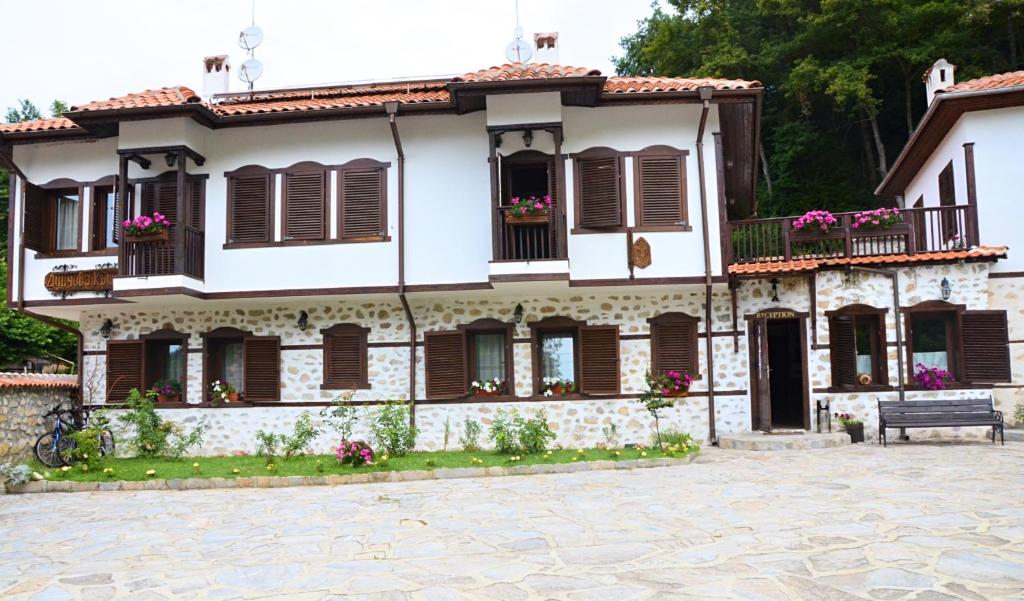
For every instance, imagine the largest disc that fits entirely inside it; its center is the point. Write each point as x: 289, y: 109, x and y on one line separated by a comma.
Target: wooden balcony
x: 537, y: 240
x: 924, y: 229
x: 157, y: 257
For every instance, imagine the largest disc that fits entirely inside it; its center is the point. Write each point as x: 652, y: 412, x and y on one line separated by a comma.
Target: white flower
x: 476, y: 384
x: 548, y: 393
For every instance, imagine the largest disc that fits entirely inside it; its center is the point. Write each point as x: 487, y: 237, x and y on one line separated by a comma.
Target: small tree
x: 654, y: 401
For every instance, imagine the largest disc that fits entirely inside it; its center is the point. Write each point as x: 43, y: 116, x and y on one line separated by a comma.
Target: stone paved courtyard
x: 914, y: 521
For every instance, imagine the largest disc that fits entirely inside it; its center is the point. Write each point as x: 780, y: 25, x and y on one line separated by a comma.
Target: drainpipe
x: 894, y: 275
x: 705, y: 98
x: 46, y: 319
x: 392, y: 111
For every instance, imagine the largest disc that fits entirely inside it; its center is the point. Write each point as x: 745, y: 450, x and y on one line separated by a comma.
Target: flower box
x: 163, y: 235
x: 168, y: 398
x: 233, y: 397
x: 486, y: 393
x: 675, y: 394
x: 539, y: 218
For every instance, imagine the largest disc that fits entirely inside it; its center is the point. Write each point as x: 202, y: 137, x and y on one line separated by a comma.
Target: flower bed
x: 249, y: 466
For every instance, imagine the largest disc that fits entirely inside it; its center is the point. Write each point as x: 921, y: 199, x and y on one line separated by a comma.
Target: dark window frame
x: 660, y: 152
x: 212, y: 337
x: 947, y: 200
x: 306, y: 168
x: 952, y: 314
x: 330, y: 336
x: 490, y: 326
x: 878, y: 343
x: 49, y: 193
x: 271, y: 204
x: 98, y: 217
x: 669, y: 319
x: 553, y: 326
x: 159, y: 338
x: 362, y: 165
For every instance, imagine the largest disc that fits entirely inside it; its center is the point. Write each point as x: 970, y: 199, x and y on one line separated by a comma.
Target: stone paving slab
x: 913, y: 522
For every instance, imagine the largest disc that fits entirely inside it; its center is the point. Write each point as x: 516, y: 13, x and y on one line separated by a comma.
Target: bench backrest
x: 959, y: 406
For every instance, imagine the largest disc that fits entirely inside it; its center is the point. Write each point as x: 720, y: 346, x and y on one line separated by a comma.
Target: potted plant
x: 493, y: 387
x: 654, y: 400
x: 853, y: 426
x: 147, y: 229
x: 814, y: 223
x: 557, y: 387
x: 528, y: 210
x: 877, y: 219
x: 931, y: 378
x: 223, y: 392
x: 673, y: 384
x: 167, y: 390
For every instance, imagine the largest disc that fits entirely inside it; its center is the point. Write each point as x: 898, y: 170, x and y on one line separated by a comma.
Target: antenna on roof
x: 518, y: 51
x: 249, y: 38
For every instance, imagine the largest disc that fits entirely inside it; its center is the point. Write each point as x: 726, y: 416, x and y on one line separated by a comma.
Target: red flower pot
x: 168, y: 398
x: 674, y: 394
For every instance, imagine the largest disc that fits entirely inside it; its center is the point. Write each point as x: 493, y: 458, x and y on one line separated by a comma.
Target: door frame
x: 757, y: 328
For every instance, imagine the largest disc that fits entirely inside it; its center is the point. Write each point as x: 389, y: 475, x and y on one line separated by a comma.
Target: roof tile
x: 802, y: 265
x: 989, y: 82
x: 173, y: 96
x: 53, y: 124
x: 32, y: 380
x: 517, y: 71
x: 640, y: 85
x: 334, y: 97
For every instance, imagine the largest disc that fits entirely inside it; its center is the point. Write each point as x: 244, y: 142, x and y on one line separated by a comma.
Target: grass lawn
x: 315, y: 465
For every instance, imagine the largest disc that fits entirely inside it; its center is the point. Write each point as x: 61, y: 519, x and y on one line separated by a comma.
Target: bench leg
x: 903, y: 434
x: 1002, y: 436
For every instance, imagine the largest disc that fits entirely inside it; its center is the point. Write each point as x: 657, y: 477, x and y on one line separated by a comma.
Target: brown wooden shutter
x: 599, y: 191
x: 985, y: 339
x: 261, y: 365
x: 119, y: 208
x: 37, y: 217
x: 445, y: 364
x: 305, y: 201
x: 250, y: 217
x: 124, y: 369
x: 345, y: 357
x: 661, y: 191
x: 362, y: 203
x: 674, y: 345
x: 599, y: 360
x: 842, y: 343
x: 194, y: 203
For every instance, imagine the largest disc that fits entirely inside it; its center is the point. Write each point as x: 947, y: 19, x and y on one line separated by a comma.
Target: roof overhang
x: 470, y: 96
x: 941, y: 116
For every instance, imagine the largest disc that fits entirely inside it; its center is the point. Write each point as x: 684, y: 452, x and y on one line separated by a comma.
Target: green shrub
x: 341, y: 416
x: 511, y: 433
x: 148, y: 435
x: 1018, y: 414
x: 391, y: 430
x: 470, y: 439
x: 269, y: 445
x: 15, y: 474
x: 674, y: 441
x: 611, y: 436
x: 86, y: 451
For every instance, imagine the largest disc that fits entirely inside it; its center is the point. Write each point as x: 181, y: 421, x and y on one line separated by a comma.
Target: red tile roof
x: 23, y: 380
x: 640, y: 85
x: 518, y: 71
x: 335, y: 97
x: 54, y: 124
x: 803, y: 265
x: 989, y: 82
x: 174, y: 96
x: 372, y: 94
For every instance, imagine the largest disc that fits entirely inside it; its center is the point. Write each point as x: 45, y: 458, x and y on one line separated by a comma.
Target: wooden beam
x: 181, y: 202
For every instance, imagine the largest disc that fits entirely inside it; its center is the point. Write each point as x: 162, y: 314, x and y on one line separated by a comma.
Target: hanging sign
x: 85, y: 280
x: 776, y: 314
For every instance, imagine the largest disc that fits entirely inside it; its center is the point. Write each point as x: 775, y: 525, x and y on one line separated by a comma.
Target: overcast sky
x: 82, y: 50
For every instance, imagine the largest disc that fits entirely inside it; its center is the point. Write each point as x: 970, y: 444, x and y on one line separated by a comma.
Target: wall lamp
x: 528, y: 138
x: 106, y: 328
x: 775, y: 289
x: 303, y: 321
x: 946, y: 289
x: 518, y: 313
x: 170, y: 158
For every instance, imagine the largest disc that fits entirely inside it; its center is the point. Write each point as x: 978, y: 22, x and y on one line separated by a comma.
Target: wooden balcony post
x: 492, y: 159
x: 560, y: 227
x: 179, y: 229
x: 847, y: 237
x: 787, y: 226
x: 911, y: 243
x: 122, y: 213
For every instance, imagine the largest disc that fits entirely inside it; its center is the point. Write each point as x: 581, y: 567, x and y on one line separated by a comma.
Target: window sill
x: 859, y: 389
x: 277, y: 243
x: 58, y: 254
x: 663, y: 228
x: 952, y: 386
x: 639, y: 229
x: 580, y: 231
x: 345, y: 386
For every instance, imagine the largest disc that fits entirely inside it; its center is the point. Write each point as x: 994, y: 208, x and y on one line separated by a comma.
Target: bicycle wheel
x: 107, y: 443
x: 50, y: 454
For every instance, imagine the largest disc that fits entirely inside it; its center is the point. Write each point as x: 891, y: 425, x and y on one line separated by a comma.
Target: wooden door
x: 762, y: 375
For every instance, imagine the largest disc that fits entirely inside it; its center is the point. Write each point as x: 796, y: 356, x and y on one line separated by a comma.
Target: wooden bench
x: 938, y: 414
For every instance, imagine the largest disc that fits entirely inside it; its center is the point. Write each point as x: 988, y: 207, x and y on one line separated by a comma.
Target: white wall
x: 996, y: 135
x: 447, y: 191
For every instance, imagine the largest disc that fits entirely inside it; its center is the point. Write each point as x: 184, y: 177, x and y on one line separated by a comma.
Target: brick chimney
x: 546, y: 45
x: 216, y: 75
x: 938, y: 78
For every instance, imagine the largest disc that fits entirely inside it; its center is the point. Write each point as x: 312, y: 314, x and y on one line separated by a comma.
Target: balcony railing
x: 528, y: 241
x: 157, y: 257
x: 924, y: 229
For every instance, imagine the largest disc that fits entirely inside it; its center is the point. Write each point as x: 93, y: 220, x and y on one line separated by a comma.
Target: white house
x: 361, y: 238
x: 964, y: 152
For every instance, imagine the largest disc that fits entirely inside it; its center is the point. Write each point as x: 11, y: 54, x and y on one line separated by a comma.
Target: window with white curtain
x: 67, y: 211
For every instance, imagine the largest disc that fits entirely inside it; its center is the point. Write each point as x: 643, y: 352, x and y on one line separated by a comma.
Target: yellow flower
x: 195, y: 465
x: 235, y: 471
x: 150, y: 472
x: 643, y: 453
x: 580, y: 451
x: 65, y: 468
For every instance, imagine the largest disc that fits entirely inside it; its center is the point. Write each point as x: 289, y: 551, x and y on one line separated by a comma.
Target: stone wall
x: 1007, y: 294
x: 24, y: 398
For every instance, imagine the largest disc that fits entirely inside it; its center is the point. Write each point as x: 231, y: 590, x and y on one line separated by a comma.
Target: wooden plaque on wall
x: 85, y: 280
x: 640, y: 253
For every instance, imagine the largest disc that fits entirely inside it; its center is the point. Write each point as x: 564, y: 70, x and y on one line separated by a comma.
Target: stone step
x: 759, y: 441
x: 1014, y: 434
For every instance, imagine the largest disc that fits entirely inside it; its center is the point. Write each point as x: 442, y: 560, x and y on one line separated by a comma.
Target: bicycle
x: 52, y: 448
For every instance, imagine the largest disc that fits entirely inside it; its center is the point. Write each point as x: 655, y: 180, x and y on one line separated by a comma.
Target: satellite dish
x: 518, y: 51
x: 250, y: 37
x: 250, y: 71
